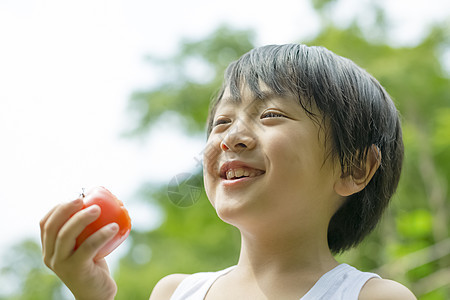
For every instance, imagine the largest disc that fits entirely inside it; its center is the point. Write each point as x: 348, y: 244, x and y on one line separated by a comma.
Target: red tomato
x: 112, y: 210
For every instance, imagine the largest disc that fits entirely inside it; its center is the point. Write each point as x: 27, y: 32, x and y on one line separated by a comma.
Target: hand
x: 85, y: 277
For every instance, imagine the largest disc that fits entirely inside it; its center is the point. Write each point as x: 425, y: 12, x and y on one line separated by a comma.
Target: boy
x: 304, y: 152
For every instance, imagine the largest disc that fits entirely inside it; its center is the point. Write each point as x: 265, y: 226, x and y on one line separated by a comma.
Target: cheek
x: 210, y: 165
x: 210, y: 193
x: 211, y: 158
x: 293, y: 160
x: 208, y: 185
x: 285, y: 151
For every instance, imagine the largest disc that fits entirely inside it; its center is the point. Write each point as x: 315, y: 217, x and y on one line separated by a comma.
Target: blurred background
x: 116, y: 93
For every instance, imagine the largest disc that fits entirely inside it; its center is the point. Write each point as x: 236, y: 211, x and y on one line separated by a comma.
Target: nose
x: 238, y: 139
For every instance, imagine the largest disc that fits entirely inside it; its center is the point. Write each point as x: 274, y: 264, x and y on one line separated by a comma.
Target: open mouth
x: 238, y: 173
x: 234, y: 170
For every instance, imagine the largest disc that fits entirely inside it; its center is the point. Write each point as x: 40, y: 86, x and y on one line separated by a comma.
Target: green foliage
x: 415, y: 224
x: 320, y: 5
x: 181, y: 90
x: 26, y: 270
x: 440, y: 140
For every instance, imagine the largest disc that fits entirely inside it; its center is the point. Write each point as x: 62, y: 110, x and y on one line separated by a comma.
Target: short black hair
x: 355, y: 111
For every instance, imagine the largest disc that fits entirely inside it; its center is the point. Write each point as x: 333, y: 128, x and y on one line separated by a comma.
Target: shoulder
x: 166, y: 286
x: 384, y: 289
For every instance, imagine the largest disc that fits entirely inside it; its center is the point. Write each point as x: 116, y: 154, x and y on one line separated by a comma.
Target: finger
x: 90, y: 247
x: 101, y: 262
x: 54, y: 223
x: 67, y: 235
x: 44, y: 221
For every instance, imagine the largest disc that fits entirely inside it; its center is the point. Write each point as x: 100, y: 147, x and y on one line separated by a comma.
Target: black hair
x: 355, y: 111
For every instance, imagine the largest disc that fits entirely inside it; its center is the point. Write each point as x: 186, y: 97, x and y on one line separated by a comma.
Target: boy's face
x: 265, y: 160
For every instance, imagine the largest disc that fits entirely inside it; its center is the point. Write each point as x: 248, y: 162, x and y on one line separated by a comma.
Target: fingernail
x: 76, y: 201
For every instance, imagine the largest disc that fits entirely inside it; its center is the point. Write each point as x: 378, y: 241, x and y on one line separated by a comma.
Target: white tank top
x: 344, y: 282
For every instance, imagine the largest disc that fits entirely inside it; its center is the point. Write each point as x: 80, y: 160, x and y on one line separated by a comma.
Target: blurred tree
x: 27, y: 276
x: 189, y: 79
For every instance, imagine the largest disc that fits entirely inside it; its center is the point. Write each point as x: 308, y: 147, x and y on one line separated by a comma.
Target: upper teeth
x: 239, y: 172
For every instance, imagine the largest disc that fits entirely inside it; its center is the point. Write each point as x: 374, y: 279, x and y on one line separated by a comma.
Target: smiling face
x: 265, y: 163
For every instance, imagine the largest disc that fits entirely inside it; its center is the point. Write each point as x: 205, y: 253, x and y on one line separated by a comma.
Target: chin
x: 238, y: 213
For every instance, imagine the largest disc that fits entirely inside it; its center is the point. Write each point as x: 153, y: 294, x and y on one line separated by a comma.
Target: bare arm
x: 165, y: 287
x: 383, y: 289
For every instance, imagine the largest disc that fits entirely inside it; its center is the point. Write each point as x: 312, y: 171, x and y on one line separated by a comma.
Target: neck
x: 285, y: 253
x: 281, y: 261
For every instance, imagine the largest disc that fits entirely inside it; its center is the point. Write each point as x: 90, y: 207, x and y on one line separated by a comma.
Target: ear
x: 359, y: 177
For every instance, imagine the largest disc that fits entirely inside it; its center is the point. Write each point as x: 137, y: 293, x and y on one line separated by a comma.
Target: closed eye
x: 272, y: 114
x: 221, y: 121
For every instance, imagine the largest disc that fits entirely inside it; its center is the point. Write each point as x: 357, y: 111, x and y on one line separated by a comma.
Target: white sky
x: 67, y: 69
